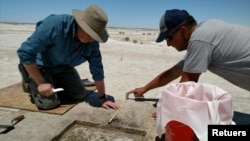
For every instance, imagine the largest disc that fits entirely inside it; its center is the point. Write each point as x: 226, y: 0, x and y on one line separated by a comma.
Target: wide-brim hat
x: 93, y: 20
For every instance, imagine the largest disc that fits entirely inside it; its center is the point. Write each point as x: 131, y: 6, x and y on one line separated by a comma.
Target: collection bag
x: 195, y: 105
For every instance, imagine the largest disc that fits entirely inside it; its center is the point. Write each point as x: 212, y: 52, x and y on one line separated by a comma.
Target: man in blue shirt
x: 58, y: 44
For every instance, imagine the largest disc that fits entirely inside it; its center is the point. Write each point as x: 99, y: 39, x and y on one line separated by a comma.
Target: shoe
x: 87, y: 83
x: 90, y: 88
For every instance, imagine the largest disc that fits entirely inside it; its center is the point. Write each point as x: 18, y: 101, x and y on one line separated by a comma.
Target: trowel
x: 6, y: 128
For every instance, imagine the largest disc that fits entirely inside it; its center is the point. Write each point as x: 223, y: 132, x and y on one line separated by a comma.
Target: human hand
x: 138, y: 92
x: 109, y: 104
x: 45, y: 89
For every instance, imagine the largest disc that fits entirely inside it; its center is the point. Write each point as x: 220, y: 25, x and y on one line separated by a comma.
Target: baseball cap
x: 171, y: 19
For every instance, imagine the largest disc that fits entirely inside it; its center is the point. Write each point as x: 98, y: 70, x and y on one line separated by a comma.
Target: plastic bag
x: 196, y: 105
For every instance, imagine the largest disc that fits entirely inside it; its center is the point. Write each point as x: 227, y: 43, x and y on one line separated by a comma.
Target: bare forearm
x: 34, y: 72
x: 100, y: 87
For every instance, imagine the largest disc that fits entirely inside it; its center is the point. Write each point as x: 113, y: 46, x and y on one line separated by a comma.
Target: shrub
x: 126, y: 38
x: 135, y: 41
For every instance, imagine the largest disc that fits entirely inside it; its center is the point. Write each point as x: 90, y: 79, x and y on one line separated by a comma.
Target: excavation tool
x: 54, y: 90
x: 6, y: 128
x: 117, y: 111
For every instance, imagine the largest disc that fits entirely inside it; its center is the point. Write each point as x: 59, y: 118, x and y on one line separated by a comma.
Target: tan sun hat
x: 93, y: 20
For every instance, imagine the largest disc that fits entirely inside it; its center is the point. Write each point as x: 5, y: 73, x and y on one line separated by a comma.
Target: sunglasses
x: 169, y: 37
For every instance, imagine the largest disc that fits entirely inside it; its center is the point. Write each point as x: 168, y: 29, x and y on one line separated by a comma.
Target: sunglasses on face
x: 169, y: 37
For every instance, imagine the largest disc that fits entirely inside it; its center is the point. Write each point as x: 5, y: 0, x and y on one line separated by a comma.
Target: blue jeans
x: 69, y: 80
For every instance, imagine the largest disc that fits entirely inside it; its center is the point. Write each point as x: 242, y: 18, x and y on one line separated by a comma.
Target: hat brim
x: 161, y: 37
x: 102, y: 37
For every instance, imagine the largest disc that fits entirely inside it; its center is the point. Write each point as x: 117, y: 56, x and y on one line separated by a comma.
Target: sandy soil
x: 131, y: 58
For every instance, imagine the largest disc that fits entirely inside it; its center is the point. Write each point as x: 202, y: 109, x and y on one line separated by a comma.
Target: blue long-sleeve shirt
x: 52, y: 45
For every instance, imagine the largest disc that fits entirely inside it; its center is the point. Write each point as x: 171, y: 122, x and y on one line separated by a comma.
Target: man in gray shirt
x: 213, y: 45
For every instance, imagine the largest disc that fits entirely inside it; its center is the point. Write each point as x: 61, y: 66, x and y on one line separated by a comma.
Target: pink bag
x: 195, y: 105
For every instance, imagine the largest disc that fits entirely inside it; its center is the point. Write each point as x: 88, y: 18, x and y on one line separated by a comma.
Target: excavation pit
x: 86, y: 131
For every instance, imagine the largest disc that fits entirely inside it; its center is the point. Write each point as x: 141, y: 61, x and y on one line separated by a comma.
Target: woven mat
x: 14, y: 97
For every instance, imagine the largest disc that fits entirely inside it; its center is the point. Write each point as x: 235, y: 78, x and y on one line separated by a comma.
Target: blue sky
x: 127, y: 13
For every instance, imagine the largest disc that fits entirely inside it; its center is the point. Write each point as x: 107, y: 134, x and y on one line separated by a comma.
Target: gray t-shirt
x: 221, y: 48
